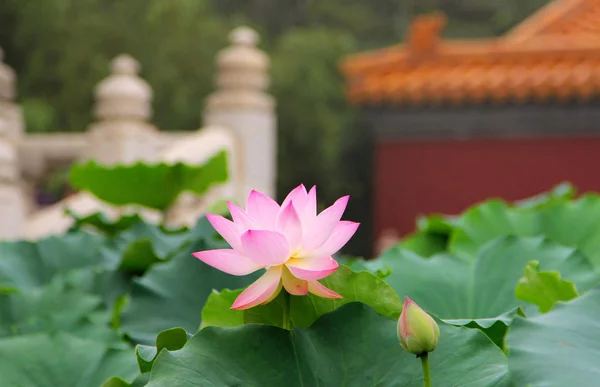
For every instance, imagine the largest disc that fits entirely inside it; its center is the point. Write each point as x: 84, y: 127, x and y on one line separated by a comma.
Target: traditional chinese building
x: 457, y: 121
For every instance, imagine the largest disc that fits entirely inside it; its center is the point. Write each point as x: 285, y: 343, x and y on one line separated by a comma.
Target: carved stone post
x: 241, y: 104
x: 12, y: 205
x: 122, y: 134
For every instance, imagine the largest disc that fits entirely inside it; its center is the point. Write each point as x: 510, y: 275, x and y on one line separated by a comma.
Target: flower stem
x: 287, y: 324
x: 426, y: 370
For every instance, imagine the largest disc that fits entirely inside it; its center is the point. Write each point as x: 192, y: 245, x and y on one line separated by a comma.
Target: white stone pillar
x: 12, y: 205
x: 241, y: 104
x: 123, y: 134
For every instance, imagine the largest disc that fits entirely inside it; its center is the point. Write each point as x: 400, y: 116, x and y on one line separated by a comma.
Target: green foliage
x: 323, y: 94
x: 39, y: 116
x: 362, y: 287
x: 46, y: 360
x: 43, y: 310
x: 353, y: 346
x: 426, y: 244
x: 49, y: 41
x: 559, y: 348
x: 100, y: 222
x: 170, y: 340
x: 484, y: 286
x: 561, y: 192
x: 217, y: 312
x: 116, y: 381
x: 135, y: 249
x: 62, y: 299
x: 172, y: 294
x: 558, y: 215
x: 494, y: 327
x: 472, y: 261
x: 569, y: 222
x: 153, y: 186
x: 544, y: 288
x: 333, y: 148
x: 28, y: 265
x: 73, y: 307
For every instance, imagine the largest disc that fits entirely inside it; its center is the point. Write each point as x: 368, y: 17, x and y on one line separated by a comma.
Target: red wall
x: 415, y: 178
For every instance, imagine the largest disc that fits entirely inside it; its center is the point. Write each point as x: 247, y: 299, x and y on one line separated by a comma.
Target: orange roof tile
x: 554, y: 55
x: 561, y: 17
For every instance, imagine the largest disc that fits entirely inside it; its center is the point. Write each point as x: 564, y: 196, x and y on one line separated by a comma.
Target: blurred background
x: 410, y: 106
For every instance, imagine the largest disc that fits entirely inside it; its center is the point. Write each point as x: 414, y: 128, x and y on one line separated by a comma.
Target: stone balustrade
x: 239, y: 117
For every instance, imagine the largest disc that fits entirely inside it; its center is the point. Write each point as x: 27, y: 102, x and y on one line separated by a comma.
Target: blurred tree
x: 379, y: 23
x: 373, y: 22
x: 56, y: 48
x: 476, y: 18
x: 62, y: 49
x: 312, y: 128
x: 319, y: 142
x: 176, y: 42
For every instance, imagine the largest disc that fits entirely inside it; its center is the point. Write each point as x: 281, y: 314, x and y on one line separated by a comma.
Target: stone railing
x: 238, y: 117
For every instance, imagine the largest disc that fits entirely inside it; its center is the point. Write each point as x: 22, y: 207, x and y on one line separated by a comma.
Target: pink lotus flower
x: 291, y: 242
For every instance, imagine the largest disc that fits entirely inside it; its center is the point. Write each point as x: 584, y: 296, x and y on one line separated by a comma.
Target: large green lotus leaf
x: 43, y: 360
x: 484, y: 287
x: 115, y: 381
x: 363, y: 287
x: 560, y: 348
x: 100, y: 222
x: 353, y: 346
x: 494, y: 327
x: 425, y: 244
x: 27, y: 269
x: 483, y: 222
x: 433, y: 233
x: 142, y: 245
x: 96, y: 326
x: 562, y: 192
x: 544, y: 288
x: 571, y: 223
x: 488, y: 221
x: 110, y: 284
x: 48, y: 308
x: 171, y: 340
x: 437, y: 224
x: 154, y: 186
x: 575, y: 223
x: 445, y: 224
x: 131, y: 252
x: 357, y: 264
x: 217, y: 313
x: 56, y: 308
x: 26, y: 265
x: 172, y: 294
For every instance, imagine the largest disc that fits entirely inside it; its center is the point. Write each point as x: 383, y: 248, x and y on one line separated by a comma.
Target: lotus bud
x: 417, y: 331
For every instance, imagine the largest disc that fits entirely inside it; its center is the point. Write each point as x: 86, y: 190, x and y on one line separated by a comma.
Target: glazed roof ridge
x: 541, y: 59
x: 560, y: 17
